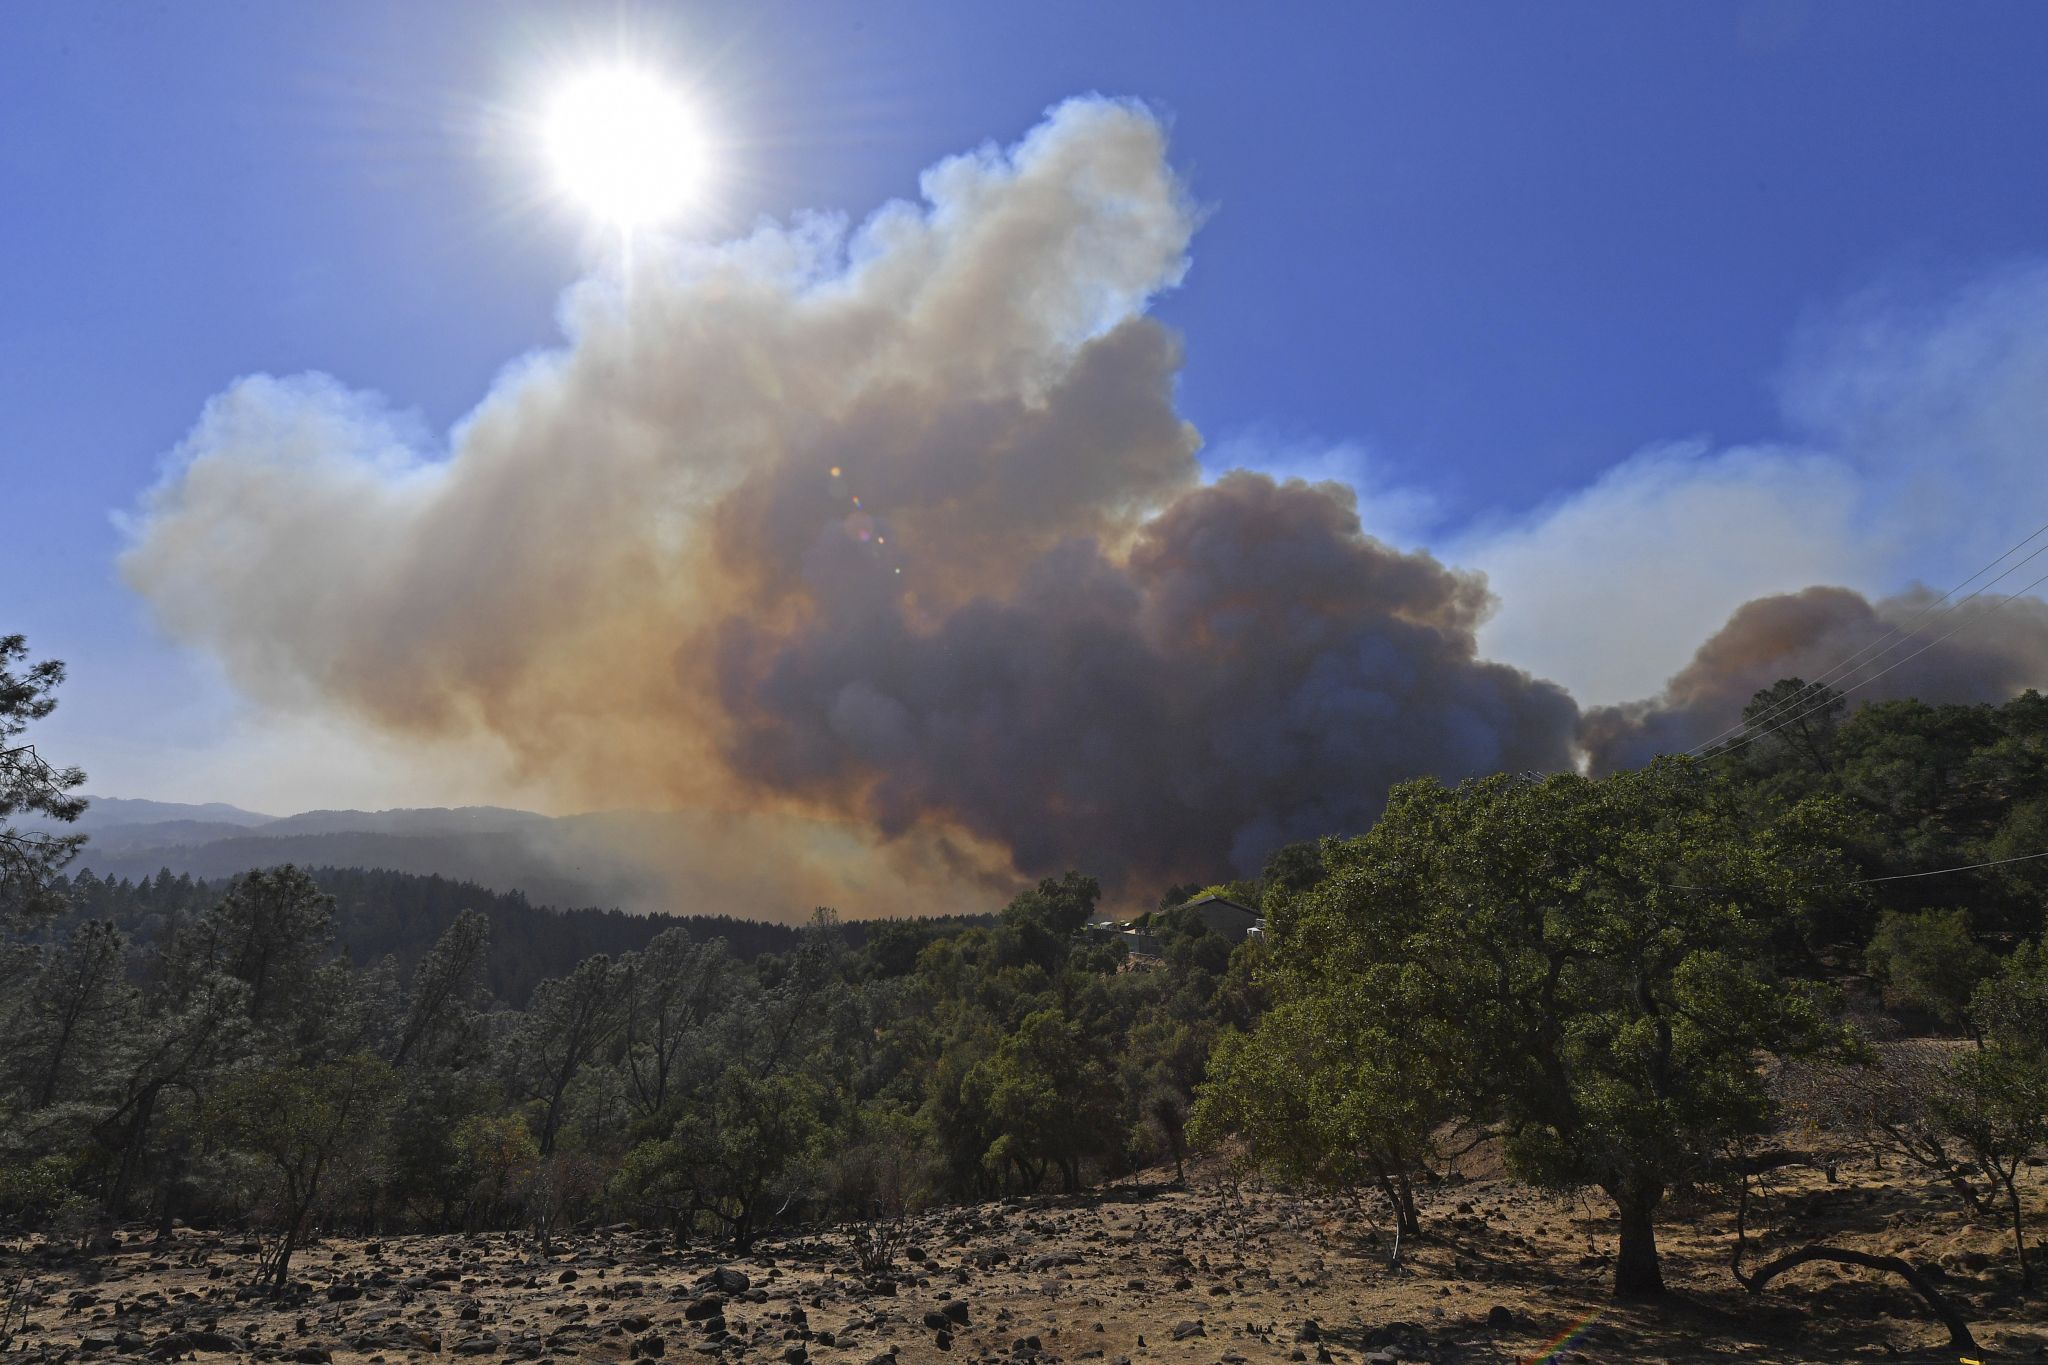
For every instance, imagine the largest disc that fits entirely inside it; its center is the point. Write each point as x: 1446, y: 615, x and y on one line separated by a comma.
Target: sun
x: 624, y: 147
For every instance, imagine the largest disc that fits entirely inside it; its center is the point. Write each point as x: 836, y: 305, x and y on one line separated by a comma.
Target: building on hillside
x: 1132, y: 935
x: 1221, y: 915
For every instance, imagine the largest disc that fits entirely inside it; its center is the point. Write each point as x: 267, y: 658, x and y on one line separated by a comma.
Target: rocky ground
x: 1209, y: 1274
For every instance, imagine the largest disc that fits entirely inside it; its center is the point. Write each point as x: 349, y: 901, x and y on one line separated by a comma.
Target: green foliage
x: 1927, y: 787
x: 494, y: 1154
x: 738, y: 1146
x: 656, y: 1182
x: 1050, y: 1100
x: 1585, y: 964
x: 1928, y: 961
x: 32, y: 1190
x: 1292, y: 870
x: 1166, y: 1056
x: 68, y: 1020
x: 441, y: 1008
x: 1046, y: 918
x: 315, y: 1130
x: 1187, y: 942
x: 1996, y: 1103
x: 1326, y: 1098
x: 380, y: 913
x: 570, y: 1020
x: 674, y: 993
x: 30, y: 858
x: 271, y: 931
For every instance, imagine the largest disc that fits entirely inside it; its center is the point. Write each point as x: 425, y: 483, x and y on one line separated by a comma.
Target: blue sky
x: 1474, y: 256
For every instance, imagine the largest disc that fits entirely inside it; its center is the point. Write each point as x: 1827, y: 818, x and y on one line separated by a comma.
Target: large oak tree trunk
x: 1637, y: 1273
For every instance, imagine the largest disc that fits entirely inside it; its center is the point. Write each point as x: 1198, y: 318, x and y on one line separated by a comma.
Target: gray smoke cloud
x: 1253, y: 670
x: 1910, y: 645
x: 889, y: 538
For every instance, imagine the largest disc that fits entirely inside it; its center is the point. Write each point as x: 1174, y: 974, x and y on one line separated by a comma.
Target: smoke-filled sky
x: 1151, y: 480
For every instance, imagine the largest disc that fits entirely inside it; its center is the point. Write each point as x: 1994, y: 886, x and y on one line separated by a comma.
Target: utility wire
x: 1943, y: 871
x: 1799, y: 696
x: 1824, y: 702
x: 1802, y: 695
x: 1872, y: 881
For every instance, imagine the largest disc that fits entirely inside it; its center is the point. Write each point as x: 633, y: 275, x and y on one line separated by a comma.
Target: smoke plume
x: 1910, y: 645
x: 1909, y: 451
x: 893, y: 533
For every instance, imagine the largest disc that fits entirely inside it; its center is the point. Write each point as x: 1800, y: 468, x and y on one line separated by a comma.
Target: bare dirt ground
x: 1142, y: 1274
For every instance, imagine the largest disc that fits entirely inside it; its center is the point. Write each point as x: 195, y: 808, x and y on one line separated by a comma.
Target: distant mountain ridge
x: 408, y: 821
x: 548, y: 859
x: 108, y: 812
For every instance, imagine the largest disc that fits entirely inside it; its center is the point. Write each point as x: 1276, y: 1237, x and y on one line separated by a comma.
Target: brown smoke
x: 895, y: 533
x: 1982, y: 650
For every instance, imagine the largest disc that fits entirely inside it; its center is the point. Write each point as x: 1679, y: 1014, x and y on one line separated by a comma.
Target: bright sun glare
x: 624, y: 147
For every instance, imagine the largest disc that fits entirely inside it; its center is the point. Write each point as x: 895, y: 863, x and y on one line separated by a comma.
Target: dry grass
x: 1099, y: 1279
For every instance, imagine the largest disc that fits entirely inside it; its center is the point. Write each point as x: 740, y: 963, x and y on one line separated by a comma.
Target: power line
x: 1872, y: 881
x: 1800, y: 696
x: 1962, y: 626
x: 1943, y: 871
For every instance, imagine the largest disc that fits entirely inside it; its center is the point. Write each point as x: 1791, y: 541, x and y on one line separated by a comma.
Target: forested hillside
x: 1602, y: 977
x: 379, y: 913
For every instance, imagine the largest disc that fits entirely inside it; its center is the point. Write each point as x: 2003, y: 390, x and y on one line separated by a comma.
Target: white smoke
x: 892, y: 533
x: 1917, y: 456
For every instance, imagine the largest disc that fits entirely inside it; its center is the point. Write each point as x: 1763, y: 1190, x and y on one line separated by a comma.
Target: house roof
x: 1216, y: 902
